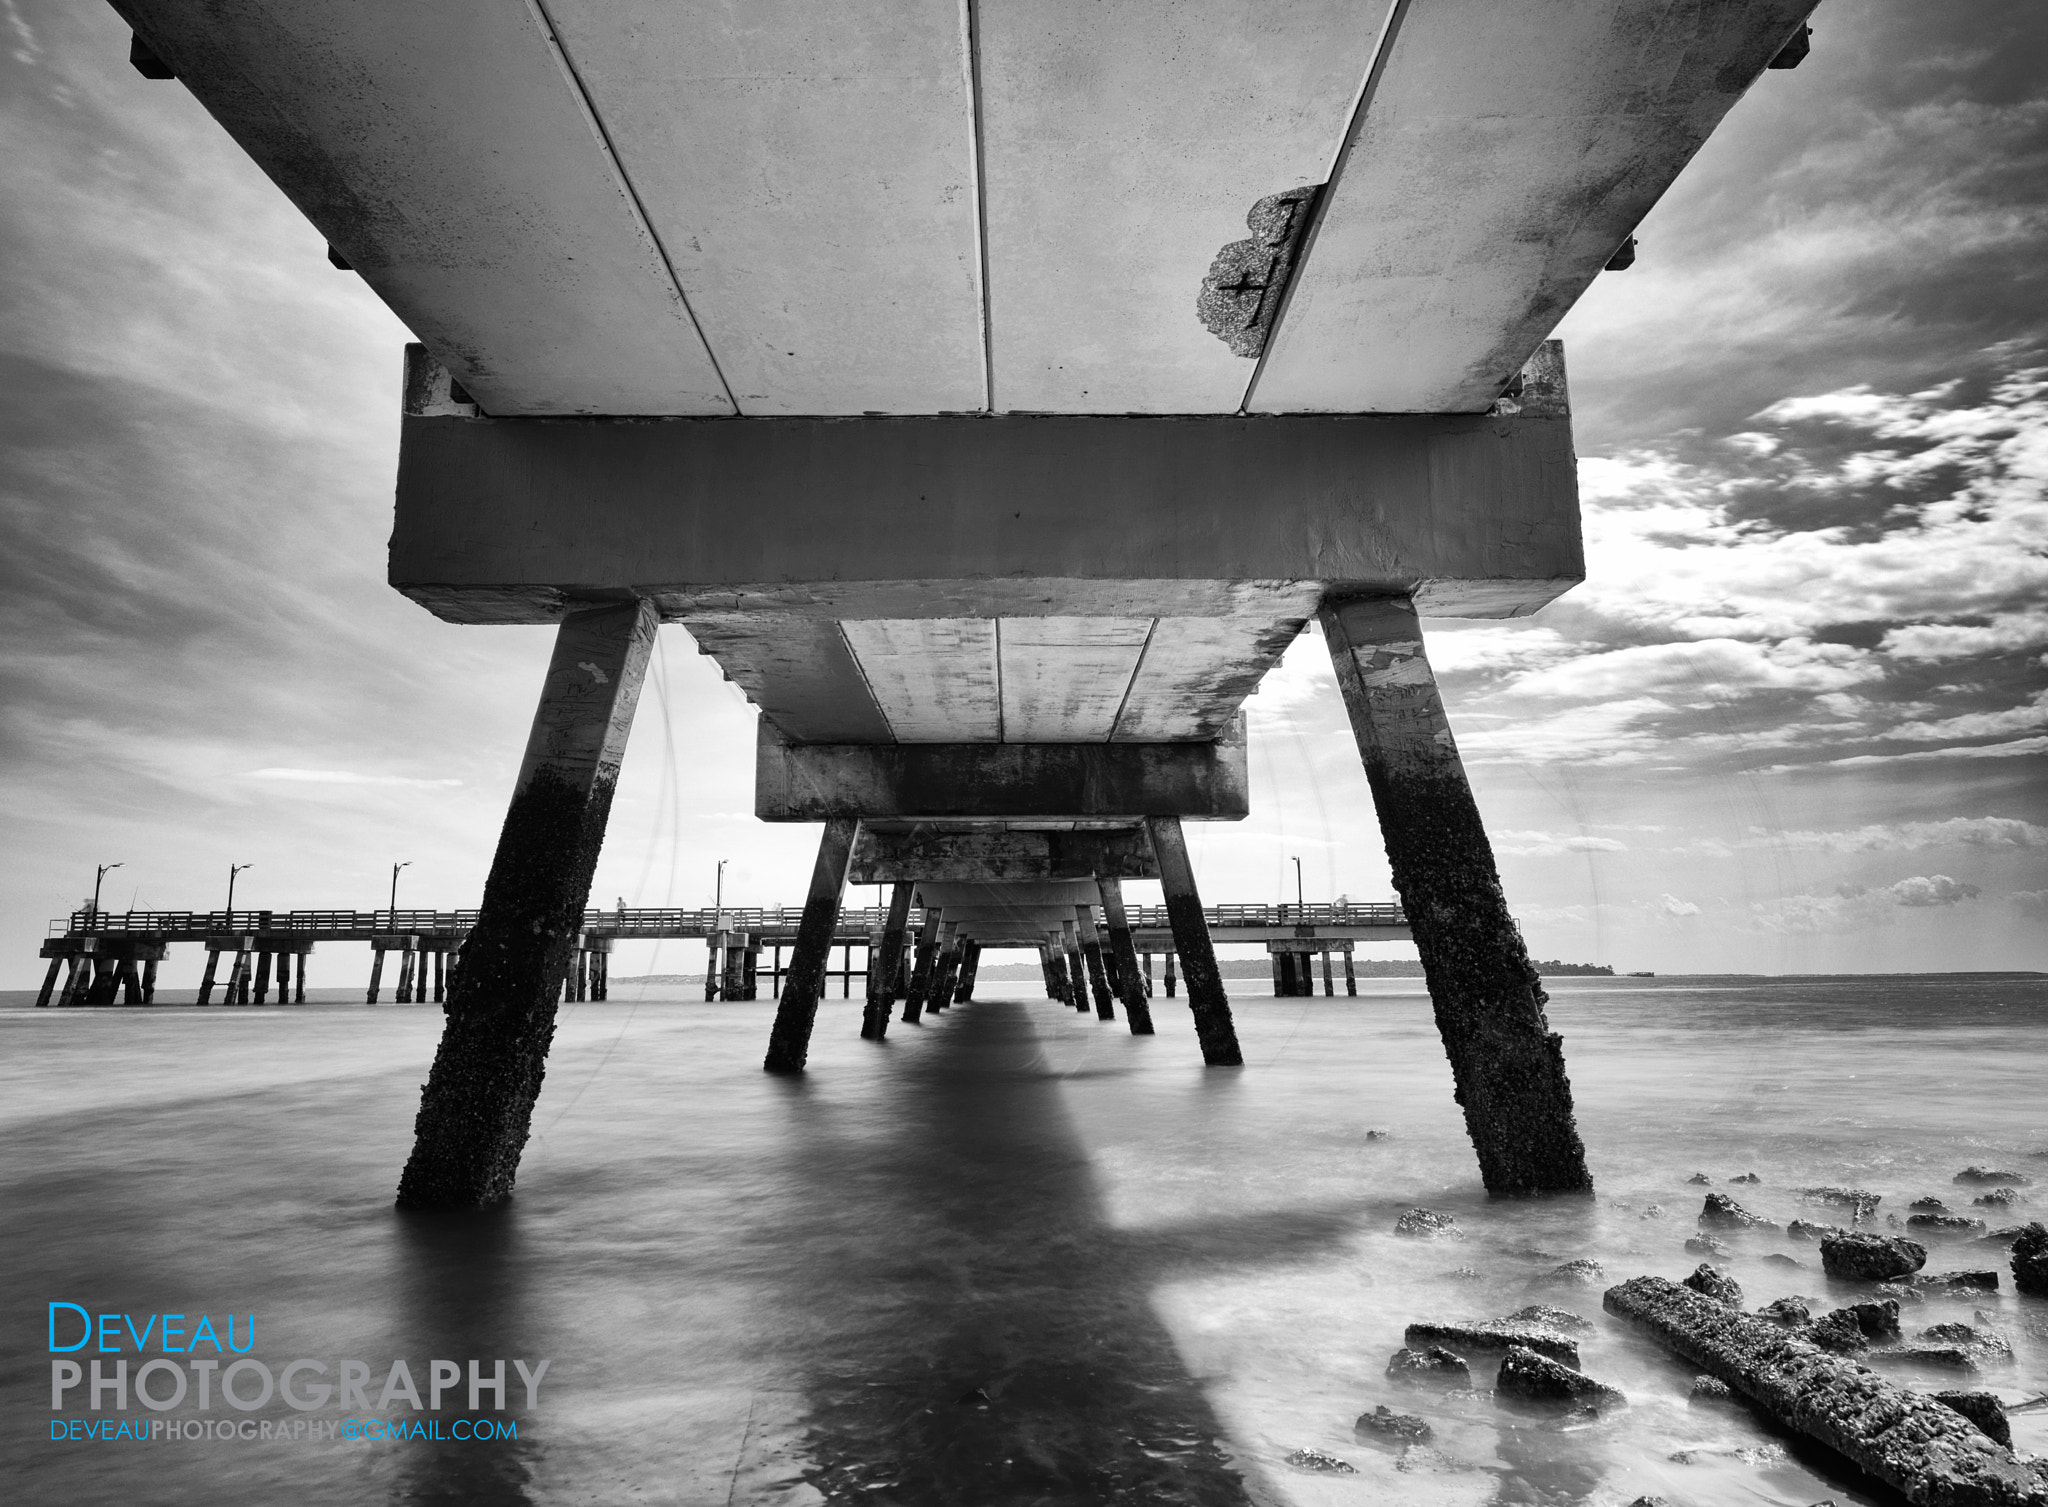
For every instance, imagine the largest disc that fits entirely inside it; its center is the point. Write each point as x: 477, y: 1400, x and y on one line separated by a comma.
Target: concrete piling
x: 1507, y: 1064
x: 477, y: 1106
x: 1091, y: 953
x: 970, y: 964
x: 1077, y: 970
x: 789, y: 1043
x: 1206, y: 999
x: 1123, y: 957
x: 883, y: 966
x: 921, y: 968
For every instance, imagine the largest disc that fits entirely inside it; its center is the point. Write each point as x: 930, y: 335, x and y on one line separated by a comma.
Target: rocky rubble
x: 1927, y: 1450
x: 1870, y: 1258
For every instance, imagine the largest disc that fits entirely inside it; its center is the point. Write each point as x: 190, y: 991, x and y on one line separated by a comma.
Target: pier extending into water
x: 111, y: 958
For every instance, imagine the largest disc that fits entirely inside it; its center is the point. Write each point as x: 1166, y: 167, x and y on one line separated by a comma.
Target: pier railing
x: 640, y: 922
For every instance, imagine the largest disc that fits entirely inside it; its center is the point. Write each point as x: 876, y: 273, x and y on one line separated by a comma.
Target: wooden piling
x: 1207, y: 1002
x: 1077, y: 970
x: 970, y: 964
x: 1171, y: 959
x: 1350, y: 973
x: 1507, y: 1065
x: 1091, y: 954
x: 49, y: 983
x: 213, y: 964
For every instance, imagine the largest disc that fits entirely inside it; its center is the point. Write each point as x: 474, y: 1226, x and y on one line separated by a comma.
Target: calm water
x: 1012, y: 1256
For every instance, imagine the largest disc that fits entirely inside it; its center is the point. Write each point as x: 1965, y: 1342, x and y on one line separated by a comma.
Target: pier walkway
x: 111, y: 957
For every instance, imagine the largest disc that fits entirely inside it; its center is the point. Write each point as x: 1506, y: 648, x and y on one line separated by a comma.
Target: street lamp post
x: 99, y: 879
x: 234, y: 869
x: 394, y: 888
x: 1301, y: 905
x: 718, y: 899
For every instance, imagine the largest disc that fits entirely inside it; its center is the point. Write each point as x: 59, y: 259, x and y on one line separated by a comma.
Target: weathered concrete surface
x: 795, y: 782
x: 994, y: 857
x: 1494, y: 1335
x: 1130, y: 516
x: 1469, y: 207
x: 478, y: 1101
x: 1124, y: 953
x: 789, y: 1043
x: 1931, y: 1453
x: 445, y: 155
x: 1098, y: 972
x: 887, y: 962
x: 1506, y: 1063
x: 1207, y: 1002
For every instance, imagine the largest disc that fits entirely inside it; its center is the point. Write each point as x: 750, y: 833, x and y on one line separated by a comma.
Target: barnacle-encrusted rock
x: 1928, y: 1451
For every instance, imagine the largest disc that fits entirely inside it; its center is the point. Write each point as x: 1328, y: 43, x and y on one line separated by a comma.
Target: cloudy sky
x: 1795, y: 720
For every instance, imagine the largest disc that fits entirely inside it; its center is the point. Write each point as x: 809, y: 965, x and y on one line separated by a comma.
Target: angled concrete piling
x: 478, y: 1101
x: 1506, y: 1063
x: 1207, y: 1002
x: 789, y: 1043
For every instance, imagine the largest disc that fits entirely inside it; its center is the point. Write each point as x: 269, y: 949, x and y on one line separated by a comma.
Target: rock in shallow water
x: 1983, y: 1409
x: 1983, y: 1176
x: 1494, y: 1335
x: 1581, y: 1273
x: 2030, y: 1260
x: 1999, y: 1198
x: 1788, y: 1313
x: 1322, y: 1464
x: 1433, y: 1367
x: 1870, y: 1258
x: 1707, y: 1390
x: 1745, y: 1177
x: 1563, y: 1320
x: 1849, y: 1330
x: 1862, y: 1200
x: 1802, y: 1229
x: 1426, y: 1223
x: 1384, y: 1424
x: 1530, y: 1380
x: 1720, y: 1212
x: 1707, y: 1245
x: 1944, y: 1224
x: 1926, y: 1450
x: 1716, y: 1284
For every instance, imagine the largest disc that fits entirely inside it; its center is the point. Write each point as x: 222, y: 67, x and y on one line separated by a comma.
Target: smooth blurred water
x: 1013, y: 1255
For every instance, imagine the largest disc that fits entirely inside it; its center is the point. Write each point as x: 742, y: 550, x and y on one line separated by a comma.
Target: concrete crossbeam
x: 506, y: 521
x: 814, y: 782
x: 1000, y: 856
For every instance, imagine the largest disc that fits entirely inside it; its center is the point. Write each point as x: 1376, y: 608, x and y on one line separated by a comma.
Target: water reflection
x: 464, y: 1284
x: 1013, y: 1354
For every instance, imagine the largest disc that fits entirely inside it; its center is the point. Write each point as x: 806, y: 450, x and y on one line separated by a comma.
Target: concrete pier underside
x: 862, y: 342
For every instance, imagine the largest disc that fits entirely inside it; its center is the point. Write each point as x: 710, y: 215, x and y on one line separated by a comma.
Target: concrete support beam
x: 1077, y: 970
x: 502, y: 520
x: 478, y: 1102
x: 999, y: 857
x: 789, y: 1044
x: 1131, y: 987
x: 1507, y: 1064
x: 884, y: 962
x: 995, y: 781
x: 1207, y: 1002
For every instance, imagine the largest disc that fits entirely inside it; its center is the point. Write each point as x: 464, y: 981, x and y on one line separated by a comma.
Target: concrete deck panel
x: 1500, y: 157
x: 810, y: 170
x: 445, y: 151
x: 1123, y: 146
x: 984, y: 856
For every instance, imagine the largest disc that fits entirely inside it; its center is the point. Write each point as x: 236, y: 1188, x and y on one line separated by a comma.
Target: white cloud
x: 1957, y: 831
x: 342, y: 777
x: 1853, y: 908
x: 1706, y: 671
x: 2014, y: 719
x: 2018, y: 748
x: 1546, y: 844
x: 1671, y: 905
x: 1943, y: 641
